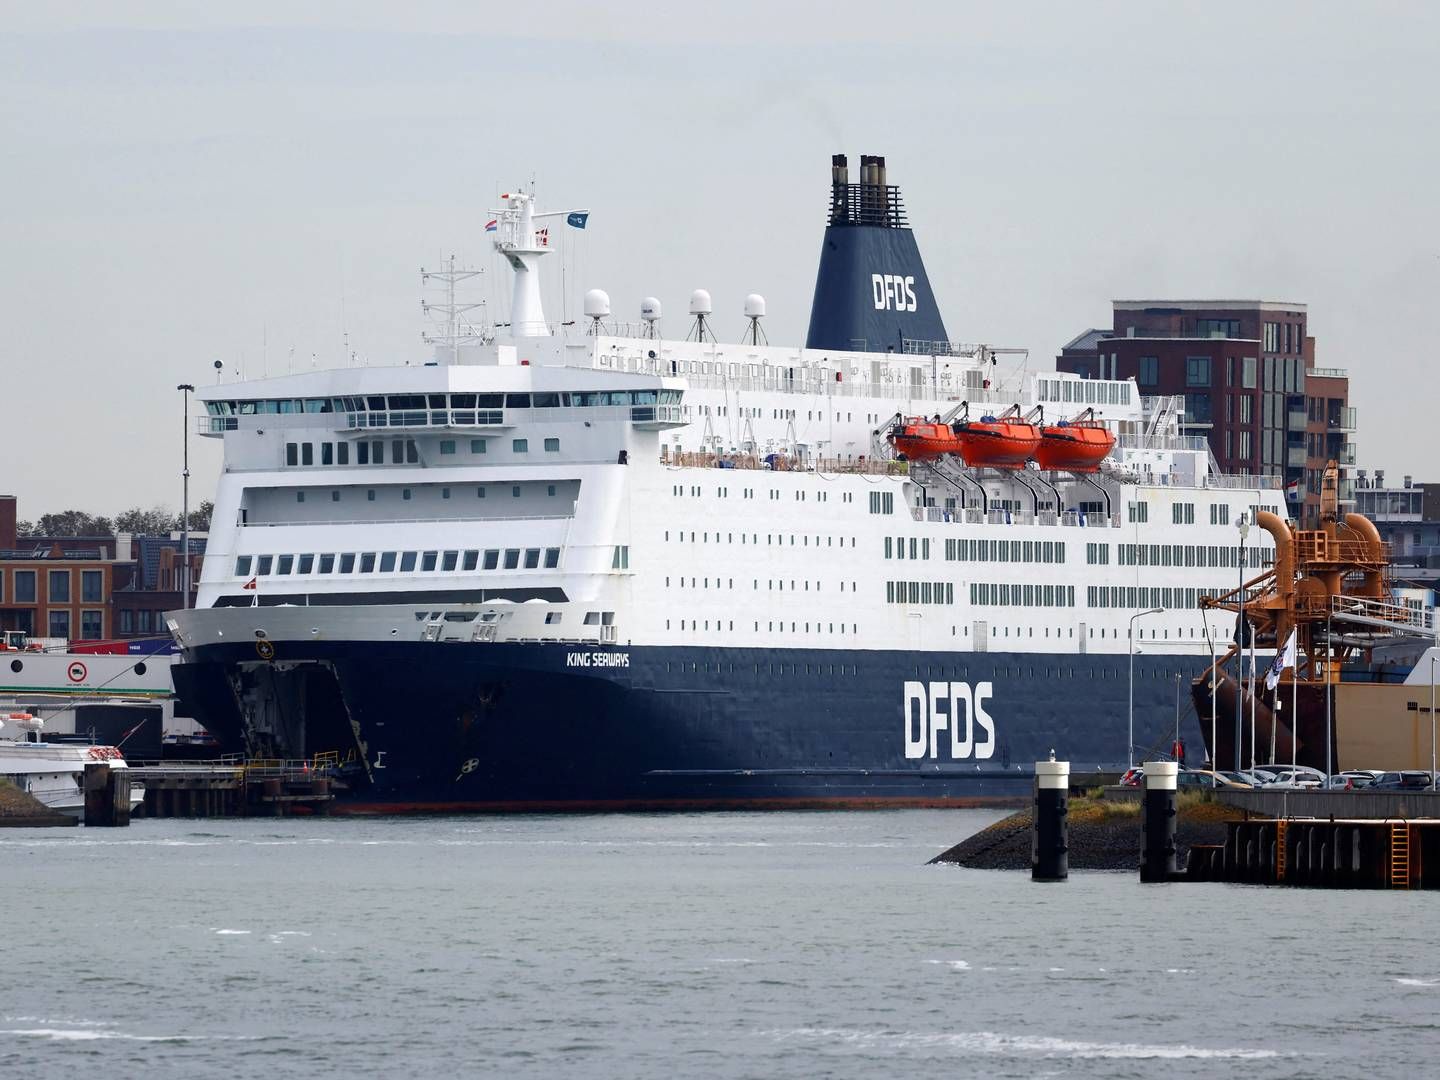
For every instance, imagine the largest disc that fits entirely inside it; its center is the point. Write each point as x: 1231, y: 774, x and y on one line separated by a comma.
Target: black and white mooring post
x: 1157, y: 852
x: 1050, y: 840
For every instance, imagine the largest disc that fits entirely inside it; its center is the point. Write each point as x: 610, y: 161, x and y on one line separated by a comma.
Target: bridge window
x: 492, y: 559
x: 449, y: 560
x: 427, y: 561
x: 242, y: 566
x: 472, y: 560
x: 305, y: 564
x: 367, y: 562
x: 512, y: 558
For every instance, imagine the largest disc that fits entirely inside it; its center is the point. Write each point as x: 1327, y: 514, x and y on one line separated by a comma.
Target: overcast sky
x: 187, y: 182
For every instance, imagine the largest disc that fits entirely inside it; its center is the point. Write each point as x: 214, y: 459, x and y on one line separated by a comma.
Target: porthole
x: 17, y: 665
x: 140, y: 668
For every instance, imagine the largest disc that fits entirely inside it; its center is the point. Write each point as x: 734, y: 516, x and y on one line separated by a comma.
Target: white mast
x: 522, y: 245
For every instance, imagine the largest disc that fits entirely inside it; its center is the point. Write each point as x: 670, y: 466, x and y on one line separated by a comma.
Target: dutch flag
x: 491, y: 225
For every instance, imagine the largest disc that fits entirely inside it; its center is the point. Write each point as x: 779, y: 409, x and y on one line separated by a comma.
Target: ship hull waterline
x: 559, y: 726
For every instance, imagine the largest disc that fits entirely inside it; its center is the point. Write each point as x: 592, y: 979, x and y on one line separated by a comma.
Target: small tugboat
x: 54, y: 773
x: 918, y: 439
x: 1006, y: 441
x: 1077, y: 446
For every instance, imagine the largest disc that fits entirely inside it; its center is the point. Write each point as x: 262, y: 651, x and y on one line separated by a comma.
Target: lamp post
x: 185, y: 390
x: 1242, y: 523
x: 1432, y: 721
x: 1139, y: 614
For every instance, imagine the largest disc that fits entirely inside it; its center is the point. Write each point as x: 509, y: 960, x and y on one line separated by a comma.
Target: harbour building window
x: 91, y: 623
x: 60, y: 624
x: 1197, y: 371
x: 24, y: 586
x: 1149, y: 371
x: 59, y: 589
x: 92, y: 586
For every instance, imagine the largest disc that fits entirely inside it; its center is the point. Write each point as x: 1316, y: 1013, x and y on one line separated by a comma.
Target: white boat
x: 54, y: 773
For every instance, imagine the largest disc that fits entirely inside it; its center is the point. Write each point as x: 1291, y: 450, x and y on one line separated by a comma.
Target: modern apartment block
x: 1246, y: 370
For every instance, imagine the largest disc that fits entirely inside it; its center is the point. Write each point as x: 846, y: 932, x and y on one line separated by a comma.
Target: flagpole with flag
x: 1285, y: 658
x: 253, y: 585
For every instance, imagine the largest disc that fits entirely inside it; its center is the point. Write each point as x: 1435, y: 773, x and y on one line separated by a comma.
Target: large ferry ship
x: 602, y: 568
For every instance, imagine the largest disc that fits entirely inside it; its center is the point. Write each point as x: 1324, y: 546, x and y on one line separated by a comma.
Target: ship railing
x: 1242, y: 481
x: 1383, y: 611
x: 1162, y: 442
x: 779, y: 462
x: 250, y: 524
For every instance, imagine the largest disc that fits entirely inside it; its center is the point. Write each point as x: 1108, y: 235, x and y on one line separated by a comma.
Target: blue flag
x: 577, y: 220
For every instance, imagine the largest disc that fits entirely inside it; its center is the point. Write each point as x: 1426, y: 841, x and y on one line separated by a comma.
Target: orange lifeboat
x: 918, y: 439
x: 1076, y: 446
x: 1004, y: 442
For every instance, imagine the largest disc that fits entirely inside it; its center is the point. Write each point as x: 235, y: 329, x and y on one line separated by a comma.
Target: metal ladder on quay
x: 1400, y: 855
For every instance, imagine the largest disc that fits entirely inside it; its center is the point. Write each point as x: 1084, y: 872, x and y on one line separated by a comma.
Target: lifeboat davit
x: 1004, y: 442
x: 1076, y: 446
x: 918, y: 439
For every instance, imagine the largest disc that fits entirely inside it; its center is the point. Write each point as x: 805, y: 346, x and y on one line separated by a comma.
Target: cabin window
x: 407, y: 562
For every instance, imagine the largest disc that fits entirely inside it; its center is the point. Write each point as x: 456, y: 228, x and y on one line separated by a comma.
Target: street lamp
x: 1243, y: 524
x: 1137, y: 615
x: 1432, y: 720
x: 1329, y: 675
x: 185, y: 390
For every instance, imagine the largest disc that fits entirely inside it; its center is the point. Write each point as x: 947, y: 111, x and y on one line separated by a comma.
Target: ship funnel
x: 871, y: 292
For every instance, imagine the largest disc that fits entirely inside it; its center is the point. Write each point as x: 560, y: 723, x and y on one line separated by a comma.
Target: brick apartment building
x: 88, y: 588
x: 1246, y: 370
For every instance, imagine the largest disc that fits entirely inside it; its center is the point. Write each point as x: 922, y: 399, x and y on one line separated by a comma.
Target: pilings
x: 107, y: 795
x: 1157, y: 853
x: 1050, y: 846
x: 1354, y: 853
x: 233, y: 789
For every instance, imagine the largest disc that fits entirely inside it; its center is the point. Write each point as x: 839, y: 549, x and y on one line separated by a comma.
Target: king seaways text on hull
x: 562, y: 726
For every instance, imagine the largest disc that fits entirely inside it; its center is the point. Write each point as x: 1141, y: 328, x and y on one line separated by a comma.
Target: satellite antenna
x: 218, y: 366
x: 701, y: 308
x: 755, y: 311
x: 650, y: 312
x: 597, y: 307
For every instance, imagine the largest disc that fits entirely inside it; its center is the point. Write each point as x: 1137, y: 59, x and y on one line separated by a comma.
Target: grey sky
x: 181, y: 183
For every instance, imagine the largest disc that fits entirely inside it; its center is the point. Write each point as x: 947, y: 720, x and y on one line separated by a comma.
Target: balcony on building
x: 1342, y: 418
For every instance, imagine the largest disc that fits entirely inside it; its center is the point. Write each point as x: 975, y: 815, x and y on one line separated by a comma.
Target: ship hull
x: 542, y: 726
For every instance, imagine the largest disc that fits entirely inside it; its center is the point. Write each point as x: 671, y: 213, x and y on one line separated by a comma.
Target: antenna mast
x: 458, y: 327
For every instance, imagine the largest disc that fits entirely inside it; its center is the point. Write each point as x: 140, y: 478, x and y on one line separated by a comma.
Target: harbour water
x: 728, y: 945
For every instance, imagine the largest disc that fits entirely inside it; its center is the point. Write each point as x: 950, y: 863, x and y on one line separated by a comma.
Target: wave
x: 1001, y: 1044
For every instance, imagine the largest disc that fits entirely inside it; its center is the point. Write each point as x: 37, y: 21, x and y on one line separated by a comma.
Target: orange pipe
x: 1284, y: 553
x: 1374, y: 584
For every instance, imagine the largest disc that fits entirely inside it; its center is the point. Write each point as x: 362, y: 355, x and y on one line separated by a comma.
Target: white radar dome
x: 597, y: 303
x: 650, y: 309
x: 754, y: 306
x: 700, y: 303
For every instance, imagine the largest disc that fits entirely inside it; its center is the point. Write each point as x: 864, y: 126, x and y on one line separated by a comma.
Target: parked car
x: 1249, y: 779
x: 1403, y: 780
x: 1296, y: 779
x: 1190, y: 778
x: 1350, y: 780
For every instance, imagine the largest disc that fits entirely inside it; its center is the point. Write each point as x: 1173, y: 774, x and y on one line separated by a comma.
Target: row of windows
x: 406, y: 494
x: 1026, y: 551
x: 919, y: 592
x: 773, y: 626
x: 882, y: 502
x: 92, y: 625
x: 920, y: 550
x: 140, y: 621
x: 61, y: 584
x: 388, y: 562
x: 397, y: 402
x: 401, y: 452
x: 1097, y: 554
x: 771, y: 539
x: 990, y: 594
x: 1182, y: 513
x: 1137, y: 597
x: 1191, y: 555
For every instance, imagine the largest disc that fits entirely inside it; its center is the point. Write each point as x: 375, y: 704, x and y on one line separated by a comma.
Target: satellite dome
x: 700, y: 303
x: 650, y: 309
x: 597, y: 303
x: 754, y: 306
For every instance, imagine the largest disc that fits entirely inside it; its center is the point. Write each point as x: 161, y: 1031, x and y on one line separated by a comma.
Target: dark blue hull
x: 525, y: 726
